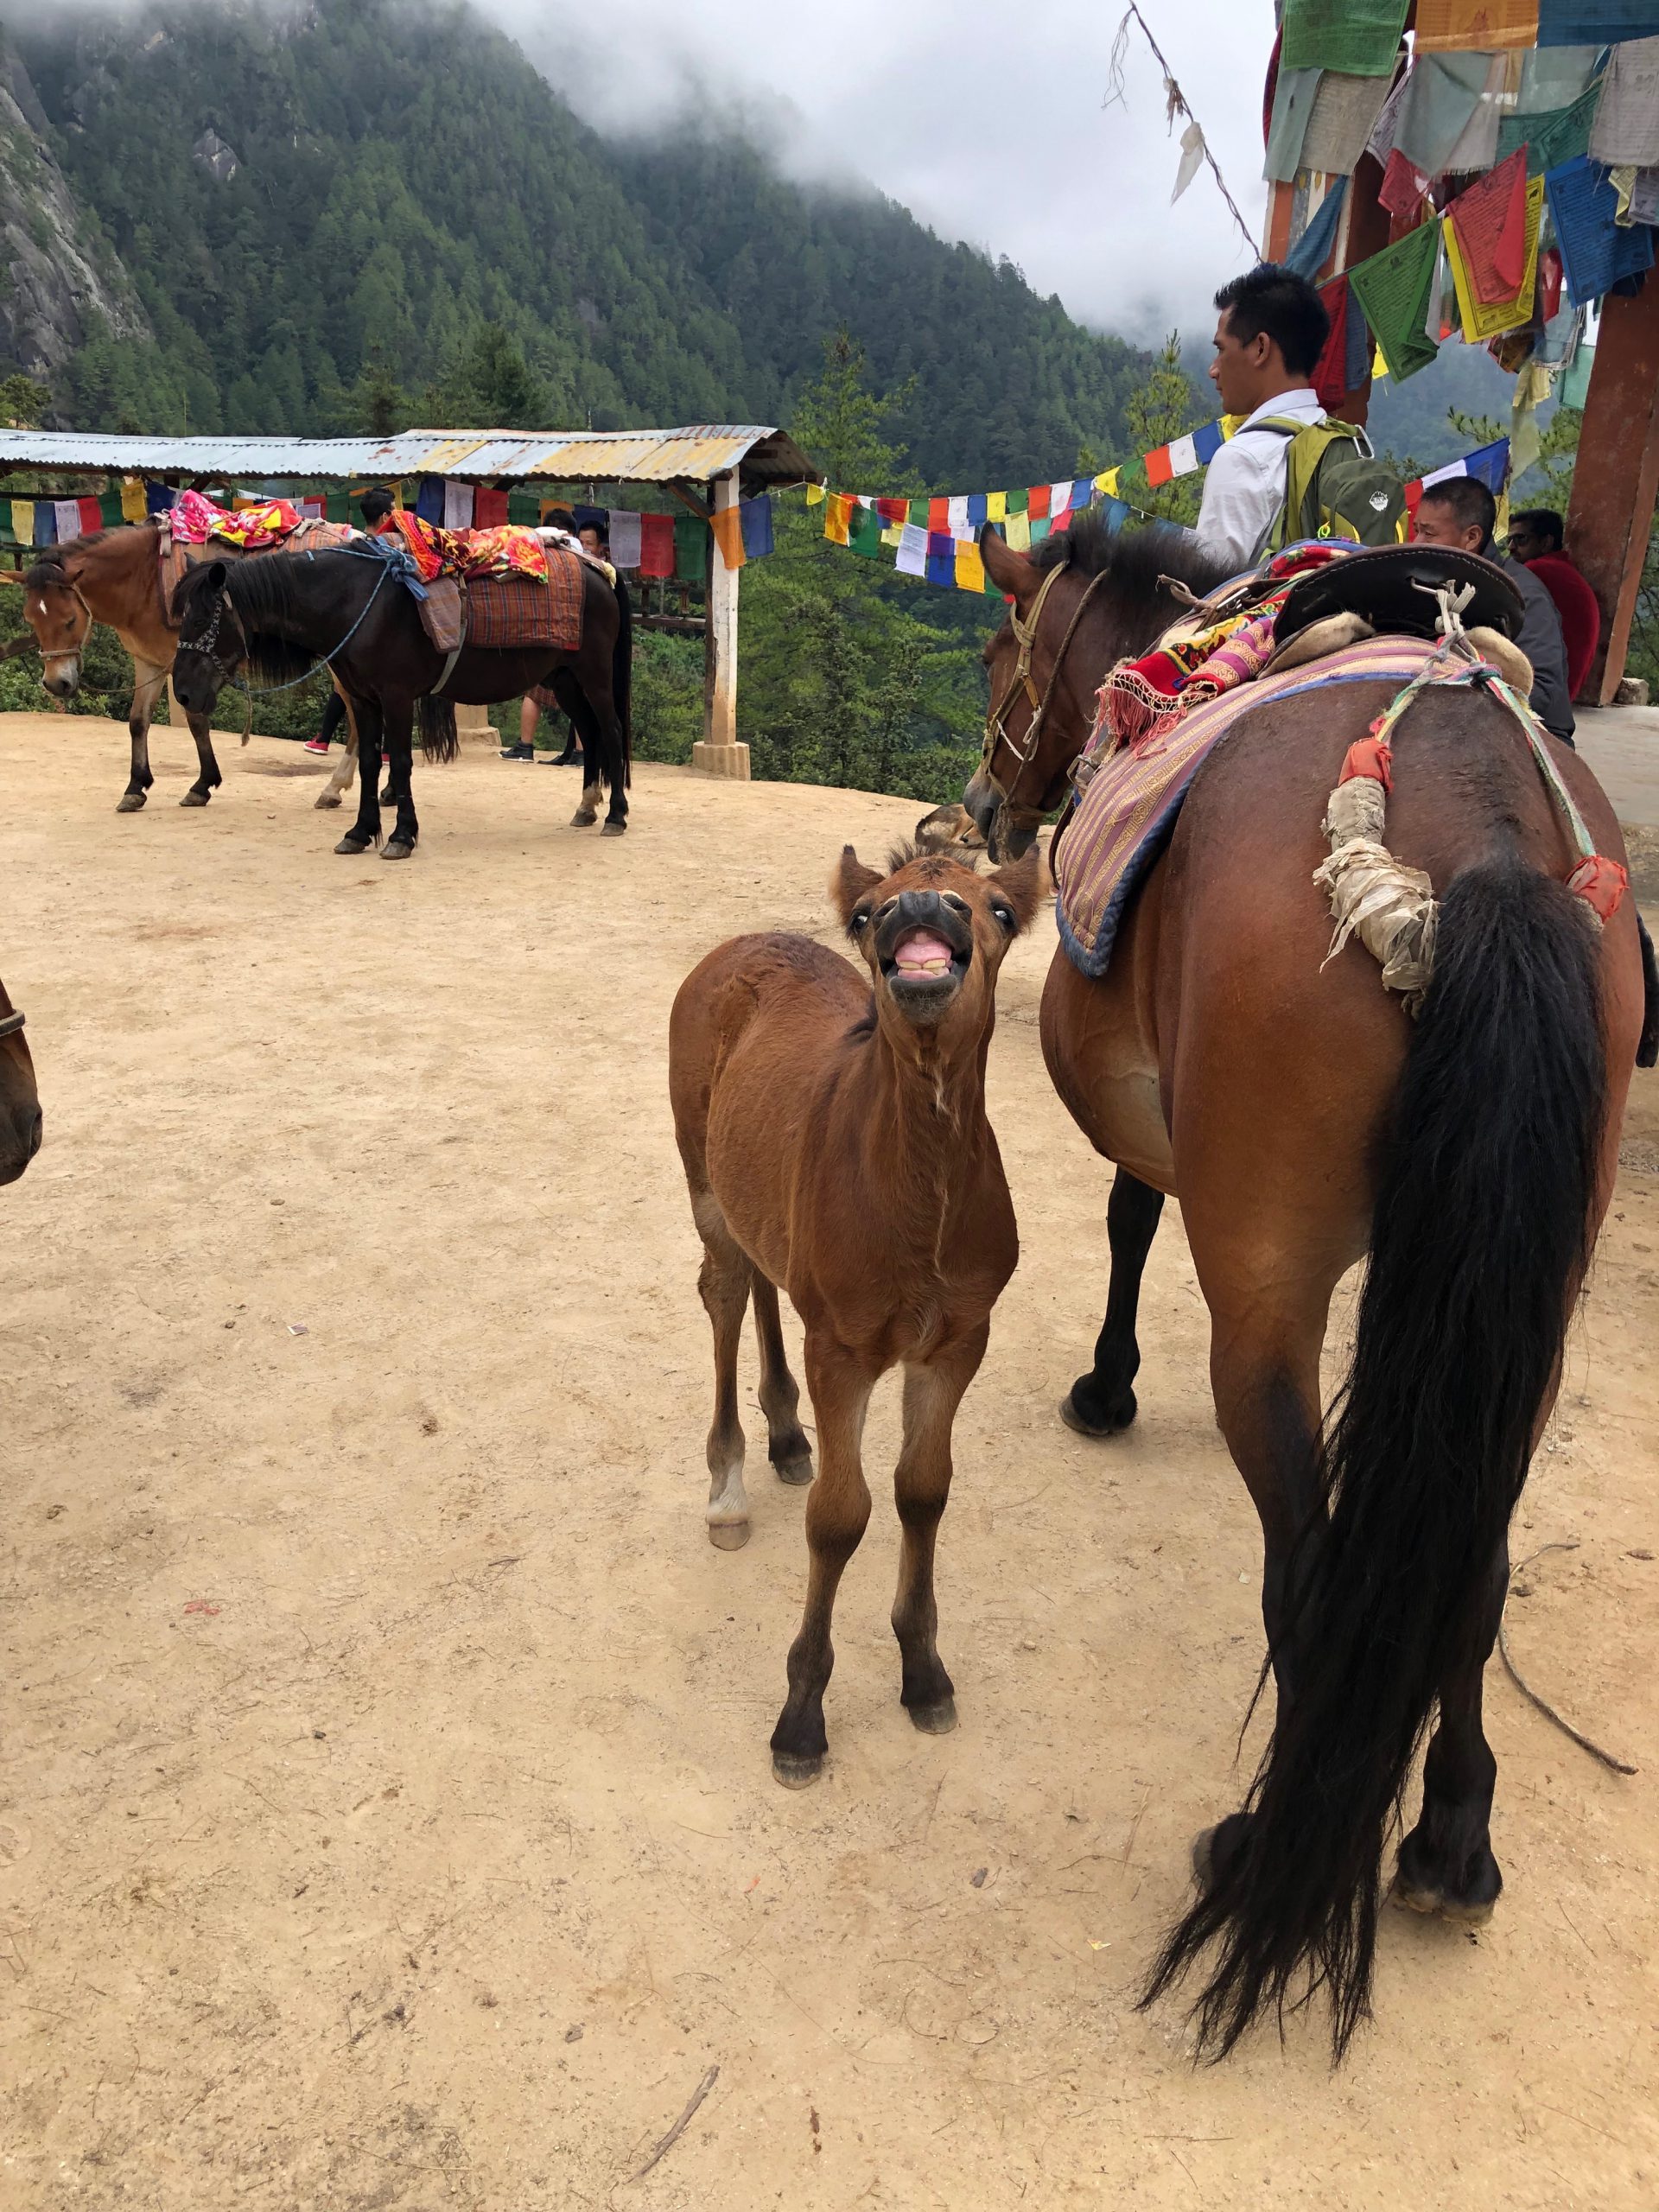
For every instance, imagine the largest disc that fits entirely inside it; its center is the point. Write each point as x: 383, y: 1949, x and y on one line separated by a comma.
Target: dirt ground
x: 386, y: 1816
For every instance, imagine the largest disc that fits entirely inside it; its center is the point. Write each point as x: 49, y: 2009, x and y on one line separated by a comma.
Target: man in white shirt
x: 1271, y: 332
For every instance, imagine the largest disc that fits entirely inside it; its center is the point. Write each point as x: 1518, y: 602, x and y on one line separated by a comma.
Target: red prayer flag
x: 1038, y: 496
x: 1490, y: 222
x: 893, y: 510
x: 1549, y: 302
x: 656, y: 545
x: 1331, y: 375
x: 939, y: 516
x: 1158, y: 468
x: 91, y: 515
x: 1402, y: 186
x: 489, y: 508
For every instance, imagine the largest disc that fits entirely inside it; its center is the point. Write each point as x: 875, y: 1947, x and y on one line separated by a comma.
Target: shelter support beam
x: 719, y: 752
x: 1617, y: 476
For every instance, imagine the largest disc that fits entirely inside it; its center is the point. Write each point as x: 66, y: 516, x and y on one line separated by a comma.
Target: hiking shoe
x: 316, y: 745
x: 518, y: 753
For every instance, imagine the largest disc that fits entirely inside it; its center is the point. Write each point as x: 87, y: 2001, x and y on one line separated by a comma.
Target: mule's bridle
x: 996, y: 720
x: 205, y: 644
x: 10, y: 1023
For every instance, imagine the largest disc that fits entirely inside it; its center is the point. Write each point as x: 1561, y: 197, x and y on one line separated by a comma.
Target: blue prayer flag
x: 976, y: 510
x: 1313, y: 249
x: 942, y: 558
x: 46, y: 522
x: 1595, y: 22
x: 1595, y: 252
x: 1116, y: 513
x: 428, y: 500
x: 757, y: 526
x: 1488, y: 463
x: 158, y: 498
x: 1207, y: 442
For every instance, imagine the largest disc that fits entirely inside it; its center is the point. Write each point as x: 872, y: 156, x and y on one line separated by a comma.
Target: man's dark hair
x: 559, y: 519
x: 1283, y: 304
x: 1468, y: 500
x: 1542, y: 522
x: 377, y: 504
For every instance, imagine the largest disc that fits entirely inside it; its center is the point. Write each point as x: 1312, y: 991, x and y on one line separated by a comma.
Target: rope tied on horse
x: 1391, y: 908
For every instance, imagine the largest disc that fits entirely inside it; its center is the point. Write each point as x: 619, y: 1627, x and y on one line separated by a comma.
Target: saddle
x: 1393, y: 589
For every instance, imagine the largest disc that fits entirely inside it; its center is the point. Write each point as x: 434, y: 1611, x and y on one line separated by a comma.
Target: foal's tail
x: 437, y: 721
x: 1479, y: 1245
x: 622, y: 676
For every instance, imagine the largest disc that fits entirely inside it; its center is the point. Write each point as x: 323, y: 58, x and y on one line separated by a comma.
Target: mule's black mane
x: 263, y: 592
x: 1134, y: 559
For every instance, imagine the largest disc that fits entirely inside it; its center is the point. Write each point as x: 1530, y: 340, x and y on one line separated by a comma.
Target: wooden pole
x: 1617, y: 475
x: 719, y: 752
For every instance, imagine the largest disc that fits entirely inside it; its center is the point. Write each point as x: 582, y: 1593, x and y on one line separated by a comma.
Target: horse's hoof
x: 729, y: 1536
x: 351, y: 843
x: 1421, y: 1893
x: 583, y: 818
x: 934, y: 1719
x: 397, y: 849
x: 327, y: 799
x: 193, y: 798
x: 794, y: 1772
x: 131, y: 801
x: 388, y: 796
x: 1123, y: 1413
x: 613, y: 829
x: 797, y: 1473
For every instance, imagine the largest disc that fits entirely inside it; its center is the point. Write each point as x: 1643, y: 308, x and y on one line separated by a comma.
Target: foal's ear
x: 1021, y: 885
x: 849, y: 882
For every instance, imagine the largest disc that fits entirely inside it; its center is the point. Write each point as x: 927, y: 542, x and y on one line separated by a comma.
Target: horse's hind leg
x: 921, y: 1485
x: 399, y: 739
x: 1102, y: 1402
x: 571, y: 696
x: 780, y: 1398
x: 209, y: 780
x: 146, y: 684
x: 1446, y: 1863
x: 724, y: 1287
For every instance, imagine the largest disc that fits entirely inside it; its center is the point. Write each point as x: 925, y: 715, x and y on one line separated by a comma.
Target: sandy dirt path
x: 386, y: 1818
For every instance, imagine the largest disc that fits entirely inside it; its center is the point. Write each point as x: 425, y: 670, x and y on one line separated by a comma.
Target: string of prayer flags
x: 656, y: 545
x: 1627, y: 131
x: 1495, y: 26
x: 1596, y: 253
x: 1482, y: 320
x: 1393, y: 289
x: 1490, y: 219
x: 1359, y: 36
x: 692, y: 547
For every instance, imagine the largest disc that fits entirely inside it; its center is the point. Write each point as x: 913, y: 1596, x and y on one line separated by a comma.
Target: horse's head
x: 20, y: 1101
x: 932, y: 933
x: 1087, y: 596
x: 212, y: 644
x: 59, y: 622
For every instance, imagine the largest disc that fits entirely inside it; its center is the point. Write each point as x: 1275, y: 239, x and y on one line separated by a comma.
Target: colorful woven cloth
x: 1128, y: 810
x: 508, y: 613
x: 510, y: 550
x: 195, y: 520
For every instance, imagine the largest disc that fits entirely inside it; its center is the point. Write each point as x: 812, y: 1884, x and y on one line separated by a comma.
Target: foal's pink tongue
x: 923, y: 954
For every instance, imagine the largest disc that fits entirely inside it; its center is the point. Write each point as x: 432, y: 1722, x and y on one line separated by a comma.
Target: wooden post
x: 719, y: 752
x: 1617, y: 475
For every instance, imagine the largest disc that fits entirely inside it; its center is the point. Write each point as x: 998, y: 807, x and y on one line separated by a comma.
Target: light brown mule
x: 1303, y: 1119
x: 113, y: 576
x: 832, y: 1124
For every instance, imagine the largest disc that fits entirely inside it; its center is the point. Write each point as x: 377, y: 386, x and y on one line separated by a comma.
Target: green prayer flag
x: 1040, y: 528
x: 1550, y: 140
x: 524, y: 508
x: 690, y: 549
x: 337, y: 505
x: 864, y: 528
x: 1360, y: 37
x: 1019, y: 502
x: 1393, y: 289
x: 109, y: 506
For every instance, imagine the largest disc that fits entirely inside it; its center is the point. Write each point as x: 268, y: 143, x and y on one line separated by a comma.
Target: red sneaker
x: 316, y: 745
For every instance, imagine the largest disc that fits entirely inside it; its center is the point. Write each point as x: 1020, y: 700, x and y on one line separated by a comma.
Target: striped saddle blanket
x: 508, y: 612
x: 1132, y: 795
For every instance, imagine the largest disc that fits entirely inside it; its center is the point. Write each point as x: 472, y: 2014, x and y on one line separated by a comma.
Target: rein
x: 996, y: 720
x: 10, y: 1024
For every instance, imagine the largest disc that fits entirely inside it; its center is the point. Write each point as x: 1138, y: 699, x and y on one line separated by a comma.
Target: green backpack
x: 1335, y: 486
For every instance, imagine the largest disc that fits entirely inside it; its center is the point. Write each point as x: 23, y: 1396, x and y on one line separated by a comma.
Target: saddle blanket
x: 174, y: 554
x: 1132, y: 800
x: 508, y: 612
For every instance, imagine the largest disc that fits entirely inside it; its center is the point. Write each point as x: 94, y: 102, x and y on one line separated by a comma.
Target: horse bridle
x: 996, y: 720
x: 209, y: 638
x: 10, y: 1023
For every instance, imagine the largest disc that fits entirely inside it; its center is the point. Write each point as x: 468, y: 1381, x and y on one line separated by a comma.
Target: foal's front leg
x: 837, y: 1509
x: 921, y: 1484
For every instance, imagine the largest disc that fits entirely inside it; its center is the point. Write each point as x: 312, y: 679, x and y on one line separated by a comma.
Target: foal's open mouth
x: 923, y: 969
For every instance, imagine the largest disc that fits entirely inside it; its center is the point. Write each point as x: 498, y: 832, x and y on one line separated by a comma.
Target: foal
x: 835, y: 1144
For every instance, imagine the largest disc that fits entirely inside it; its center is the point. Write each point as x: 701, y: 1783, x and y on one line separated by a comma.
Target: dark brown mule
x: 832, y: 1124
x: 113, y: 576
x: 20, y: 1101
x: 1303, y: 1119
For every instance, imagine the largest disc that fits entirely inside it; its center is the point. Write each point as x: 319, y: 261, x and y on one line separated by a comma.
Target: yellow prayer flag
x: 815, y: 495
x: 970, y: 569
x: 1019, y: 531
x: 996, y: 506
x: 893, y: 534
x: 1106, y: 483
x: 133, y: 507
x: 22, y: 521
x: 1231, y: 424
x: 837, y: 516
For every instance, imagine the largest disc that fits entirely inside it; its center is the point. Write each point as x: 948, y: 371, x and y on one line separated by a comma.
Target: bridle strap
x: 996, y: 731
x: 10, y: 1024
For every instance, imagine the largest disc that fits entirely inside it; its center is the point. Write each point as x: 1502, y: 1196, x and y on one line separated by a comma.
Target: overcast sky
x: 984, y: 118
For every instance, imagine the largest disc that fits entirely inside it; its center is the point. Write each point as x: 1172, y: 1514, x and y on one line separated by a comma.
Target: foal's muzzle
x: 925, y: 946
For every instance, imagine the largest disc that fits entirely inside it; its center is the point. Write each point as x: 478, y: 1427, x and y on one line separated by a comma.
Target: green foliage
x: 22, y: 402
x: 1159, y: 408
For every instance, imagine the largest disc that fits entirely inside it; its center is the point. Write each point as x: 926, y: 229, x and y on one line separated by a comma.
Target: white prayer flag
x: 457, y: 505
x: 956, y: 516
x: 1183, y: 456
x: 68, y: 516
x: 625, y: 538
x: 912, y: 550
x: 1191, y: 155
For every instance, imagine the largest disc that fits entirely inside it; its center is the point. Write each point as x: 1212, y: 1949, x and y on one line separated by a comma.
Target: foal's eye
x: 860, y: 920
x: 1005, y: 915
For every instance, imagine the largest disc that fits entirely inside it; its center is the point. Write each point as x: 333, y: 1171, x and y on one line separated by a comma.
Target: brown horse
x: 833, y: 1129
x: 20, y: 1101
x: 1303, y: 1119
x: 114, y: 576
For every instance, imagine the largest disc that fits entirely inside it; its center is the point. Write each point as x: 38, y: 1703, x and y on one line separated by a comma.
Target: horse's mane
x: 1134, y: 559
x: 261, y: 591
x: 48, y: 570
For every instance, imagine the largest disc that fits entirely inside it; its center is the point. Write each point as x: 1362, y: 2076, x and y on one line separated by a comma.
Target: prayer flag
x: 428, y: 500
x: 1393, y: 289
x: 1313, y: 249
x: 624, y: 534
x: 90, y: 516
x: 864, y: 534
x: 1345, y: 109
x: 132, y: 498
x: 942, y: 558
x: 892, y: 510
x: 22, y: 521
x: 1362, y: 36
x: 1017, y: 528
x: 1191, y: 155
x: 1116, y: 513
x: 1159, y: 467
x: 1331, y: 371
x: 1493, y: 26
x: 970, y: 569
x: 1480, y: 321
x: 1040, y: 526
x: 1358, y: 365
x: 978, y: 510
x: 110, y: 513
x: 338, y: 506
x: 1106, y: 483
x: 656, y: 545
x: 1206, y: 443
x: 1476, y: 144
x: 457, y: 505
x: 158, y: 498
x: 1490, y: 221
x: 489, y: 508
x: 957, y: 511
x: 45, y: 521
x: 1293, y: 93
x: 1445, y: 93
x: 1595, y: 252
x: 68, y: 515
x: 1183, y: 456
x: 1059, y: 497
x: 525, y: 509
x: 1574, y: 388
x: 1037, y: 501
x: 691, y: 544
x: 1558, y: 135
x: 912, y: 550
x: 1595, y: 22
x: 939, y: 515
x: 1403, y: 189
x: 837, y: 516
x: 996, y: 506
x: 758, y: 523
x: 1016, y: 502
x: 815, y: 495
x: 1626, y: 130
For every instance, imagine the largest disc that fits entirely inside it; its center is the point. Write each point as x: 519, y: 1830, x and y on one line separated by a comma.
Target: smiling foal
x: 833, y: 1129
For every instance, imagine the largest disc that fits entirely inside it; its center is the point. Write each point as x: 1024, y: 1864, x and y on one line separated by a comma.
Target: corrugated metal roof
x: 701, y: 450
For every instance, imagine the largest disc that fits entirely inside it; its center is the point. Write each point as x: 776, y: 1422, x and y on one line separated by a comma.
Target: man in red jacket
x: 1538, y: 538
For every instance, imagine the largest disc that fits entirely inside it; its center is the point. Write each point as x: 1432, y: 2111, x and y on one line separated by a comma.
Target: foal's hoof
x: 131, y: 801
x: 193, y: 798
x: 612, y: 828
x: 1119, y: 1414
x: 351, y: 843
x: 729, y: 1536
x: 326, y: 799
x: 796, y: 1772
x: 583, y: 818
x: 934, y: 1719
x: 397, y: 849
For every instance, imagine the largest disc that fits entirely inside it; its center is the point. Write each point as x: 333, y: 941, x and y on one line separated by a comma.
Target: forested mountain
x: 319, y: 210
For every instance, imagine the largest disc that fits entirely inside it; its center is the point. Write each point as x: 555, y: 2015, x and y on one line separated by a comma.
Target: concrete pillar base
x: 730, y: 760
x: 473, y: 726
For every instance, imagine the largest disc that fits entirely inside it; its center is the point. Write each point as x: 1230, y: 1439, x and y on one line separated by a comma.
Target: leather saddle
x: 1392, y: 588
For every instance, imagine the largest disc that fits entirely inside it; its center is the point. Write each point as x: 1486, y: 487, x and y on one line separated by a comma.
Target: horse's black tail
x: 437, y: 721
x: 622, y: 676
x: 1480, y: 1241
